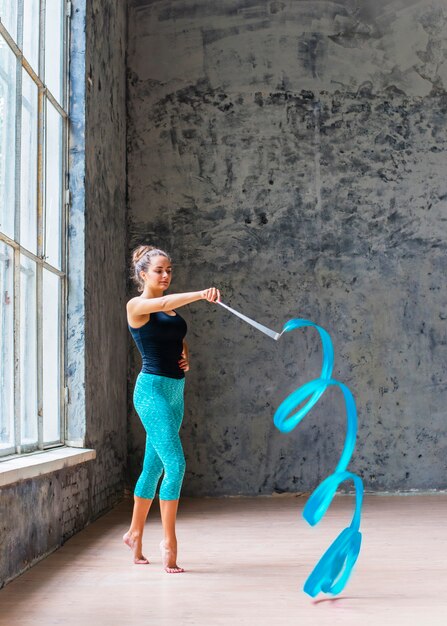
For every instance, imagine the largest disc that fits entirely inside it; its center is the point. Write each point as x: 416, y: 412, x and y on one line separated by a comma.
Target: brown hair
x: 141, y: 259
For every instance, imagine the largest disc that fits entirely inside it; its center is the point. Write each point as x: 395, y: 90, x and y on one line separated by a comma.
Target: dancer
x: 159, y: 332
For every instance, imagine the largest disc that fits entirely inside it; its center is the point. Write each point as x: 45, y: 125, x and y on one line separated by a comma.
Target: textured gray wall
x: 294, y: 154
x: 105, y: 255
x: 38, y: 515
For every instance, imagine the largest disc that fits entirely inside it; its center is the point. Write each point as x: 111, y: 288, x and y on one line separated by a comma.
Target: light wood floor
x: 246, y: 562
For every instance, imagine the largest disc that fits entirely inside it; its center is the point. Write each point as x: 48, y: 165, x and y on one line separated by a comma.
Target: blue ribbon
x: 333, y: 570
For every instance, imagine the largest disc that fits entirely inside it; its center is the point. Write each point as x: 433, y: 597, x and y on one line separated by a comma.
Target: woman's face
x: 159, y: 273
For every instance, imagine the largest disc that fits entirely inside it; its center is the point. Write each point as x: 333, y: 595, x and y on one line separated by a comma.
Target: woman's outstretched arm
x: 143, y: 306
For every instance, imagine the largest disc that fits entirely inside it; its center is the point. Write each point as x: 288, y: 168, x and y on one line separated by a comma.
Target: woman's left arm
x: 184, y: 358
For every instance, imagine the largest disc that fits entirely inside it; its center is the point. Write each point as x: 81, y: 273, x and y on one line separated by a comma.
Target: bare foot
x: 169, y: 557
x: 133, y: 540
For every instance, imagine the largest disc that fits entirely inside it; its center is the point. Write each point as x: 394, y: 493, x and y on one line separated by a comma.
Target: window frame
x: 44, y: 95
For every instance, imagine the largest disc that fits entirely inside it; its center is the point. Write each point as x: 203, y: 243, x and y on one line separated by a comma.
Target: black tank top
x: 160, y: 342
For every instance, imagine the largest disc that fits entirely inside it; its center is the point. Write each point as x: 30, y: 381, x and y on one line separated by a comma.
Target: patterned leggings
x: 158, y: 401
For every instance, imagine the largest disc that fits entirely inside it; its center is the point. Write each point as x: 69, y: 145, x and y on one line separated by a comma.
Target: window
x: 33, y: 205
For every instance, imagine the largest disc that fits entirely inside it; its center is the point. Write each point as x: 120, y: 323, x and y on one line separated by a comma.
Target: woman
x: 159, y: 331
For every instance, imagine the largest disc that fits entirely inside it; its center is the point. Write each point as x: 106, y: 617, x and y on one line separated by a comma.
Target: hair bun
x: 139, y: 252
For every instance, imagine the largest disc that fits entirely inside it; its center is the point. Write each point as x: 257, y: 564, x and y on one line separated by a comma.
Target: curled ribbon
x: 334, y: 569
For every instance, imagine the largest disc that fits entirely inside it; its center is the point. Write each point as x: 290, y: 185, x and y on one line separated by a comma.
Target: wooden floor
x: 246, y: 562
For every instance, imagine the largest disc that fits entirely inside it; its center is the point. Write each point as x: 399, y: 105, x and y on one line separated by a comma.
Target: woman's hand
x: 184, y: 364
x: 212, y: 294
x: 184, y: 358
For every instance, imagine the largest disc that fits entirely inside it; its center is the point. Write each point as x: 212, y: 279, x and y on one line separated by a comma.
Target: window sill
x: 40, y: 463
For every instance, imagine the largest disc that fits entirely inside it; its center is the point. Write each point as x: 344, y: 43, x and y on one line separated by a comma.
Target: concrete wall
x: 105, y: 256
x: 294, y: 154
x: 39, y: 515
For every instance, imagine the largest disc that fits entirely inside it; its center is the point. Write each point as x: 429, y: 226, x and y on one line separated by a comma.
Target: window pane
x: 6, y: 347
x: 31, y: 33
x: 28, y: 173
x: 8, y: 13
x: 7, y: 137
x: 53, y: 195
x: 53, y: 47
x: 51, y: 357
x: 28, y: 351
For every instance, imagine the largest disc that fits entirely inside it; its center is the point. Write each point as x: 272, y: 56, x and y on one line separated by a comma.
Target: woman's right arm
x: 143, y: 306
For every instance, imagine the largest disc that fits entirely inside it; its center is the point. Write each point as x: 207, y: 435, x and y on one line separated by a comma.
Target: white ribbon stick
x: 263, y: 329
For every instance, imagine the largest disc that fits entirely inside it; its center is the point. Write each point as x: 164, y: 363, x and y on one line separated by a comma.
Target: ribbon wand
x: 267, y: 331
x: 333, y: 570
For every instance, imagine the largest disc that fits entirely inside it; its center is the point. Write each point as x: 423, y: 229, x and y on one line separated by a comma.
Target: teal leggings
x: 158, y: 401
